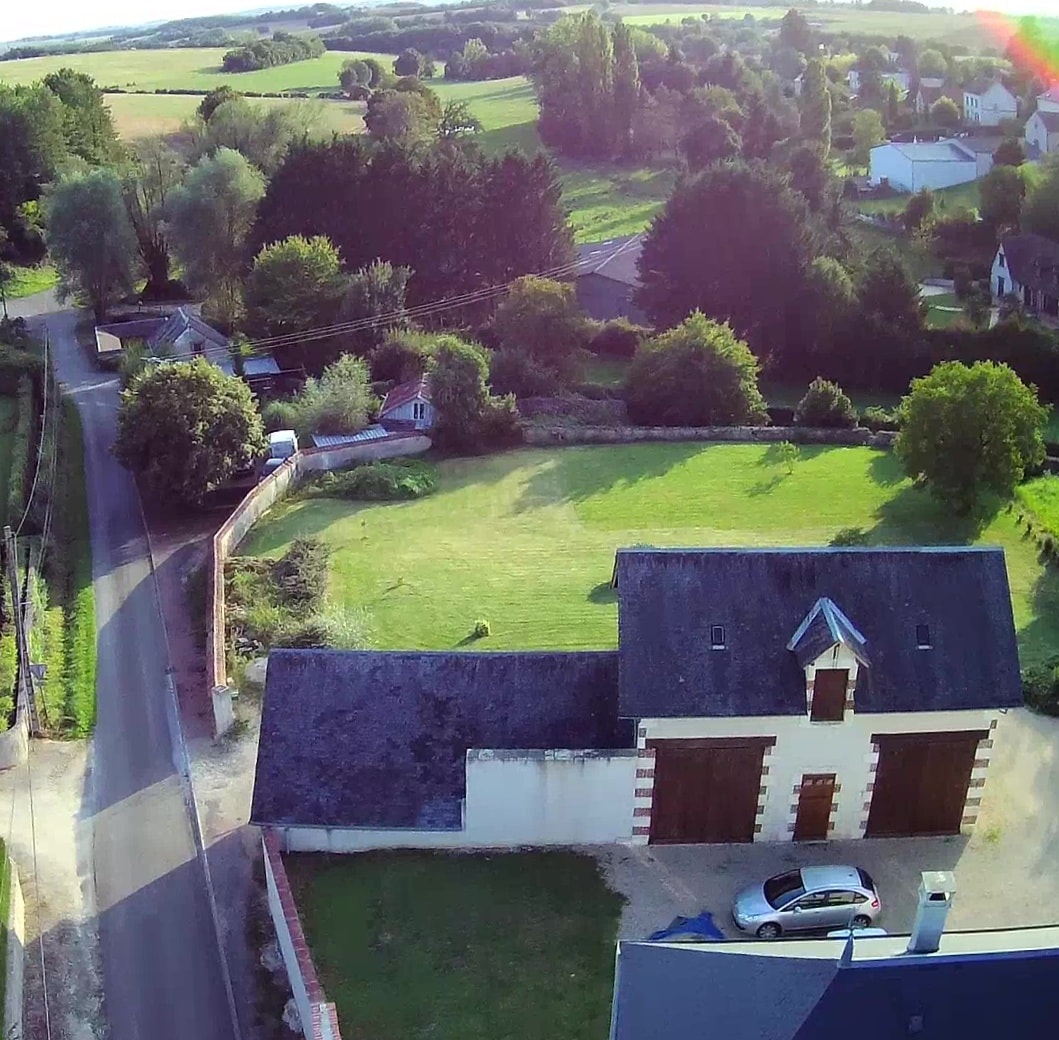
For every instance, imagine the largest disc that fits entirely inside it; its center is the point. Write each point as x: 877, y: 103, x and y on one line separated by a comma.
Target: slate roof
x: 670, y: 598
x: 1050, y: 120
x: 405, y: 393
x: 1051, y: 94
x: 378, y: 739
x: 826, y: 626
x: 1033, y: 261
x: 679, y: 991
x: 982, y: 84
x: 615, y: 259
x: 179, y: 322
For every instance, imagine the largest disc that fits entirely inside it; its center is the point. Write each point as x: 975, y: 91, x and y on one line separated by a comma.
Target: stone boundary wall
x: 16, y: 950
x: 257, y: 502
x: 319, y: 1019
x: 544, y: 436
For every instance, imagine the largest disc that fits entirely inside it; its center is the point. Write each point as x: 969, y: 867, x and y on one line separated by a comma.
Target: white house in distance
x: 988, y: 102
x: 409, y: 406
x: 1027, y: 266
x: 914, y: 165
x: 852, y: 693
x: 899, y: 77
x: 1042, y: 128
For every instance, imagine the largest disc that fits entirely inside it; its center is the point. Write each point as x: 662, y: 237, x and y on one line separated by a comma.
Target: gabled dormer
x: 831, y: 651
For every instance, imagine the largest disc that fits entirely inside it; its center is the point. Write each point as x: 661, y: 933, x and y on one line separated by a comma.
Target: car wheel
x: 861, y: 921
x: 768, y: 931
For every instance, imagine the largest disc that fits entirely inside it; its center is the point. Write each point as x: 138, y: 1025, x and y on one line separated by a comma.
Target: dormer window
x: 923, y: 637
x: 1000, y: 260
x: 717, y: 637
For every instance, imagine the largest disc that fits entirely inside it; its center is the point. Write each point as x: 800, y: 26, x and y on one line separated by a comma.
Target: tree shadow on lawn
x: 580, y: 472
x: 604, y: 592
x: 885, y: 469
x: 1039, y: 640
x: 914, y: 517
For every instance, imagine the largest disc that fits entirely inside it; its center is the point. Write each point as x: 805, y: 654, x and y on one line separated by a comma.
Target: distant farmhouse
x: 607, y: 277
x: 756, y: 695
x: 1042, y: 128
x: 914, y: 165
x: 988, y: 102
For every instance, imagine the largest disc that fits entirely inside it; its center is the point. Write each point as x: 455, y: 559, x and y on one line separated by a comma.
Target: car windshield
x: 780, y: 890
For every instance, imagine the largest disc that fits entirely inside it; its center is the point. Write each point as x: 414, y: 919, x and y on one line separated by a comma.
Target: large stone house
x: 756, y: 695
x: 1026, y: 266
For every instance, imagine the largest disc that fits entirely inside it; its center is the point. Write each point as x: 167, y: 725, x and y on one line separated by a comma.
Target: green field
x: 946, y: 201
x: 526, y: 540
x: 518, y: 946
x: 143, y: 115
x: 192, y: 68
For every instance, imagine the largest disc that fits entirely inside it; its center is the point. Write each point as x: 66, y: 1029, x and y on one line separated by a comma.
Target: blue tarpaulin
x: 689, y: 929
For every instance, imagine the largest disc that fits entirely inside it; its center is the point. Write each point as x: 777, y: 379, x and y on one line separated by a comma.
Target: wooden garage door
x: 921, y: 783
x: 706, y: 790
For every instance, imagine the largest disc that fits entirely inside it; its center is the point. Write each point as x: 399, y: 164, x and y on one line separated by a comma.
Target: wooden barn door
x: 814, y: 807
x: 706, y: 790
x: 921, y: 783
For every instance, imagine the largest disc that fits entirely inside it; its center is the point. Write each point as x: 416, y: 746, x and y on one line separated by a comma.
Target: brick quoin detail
x: 645, y: 774
x: 642, y: 810
x: 642, y: 792
x: 641, y: 832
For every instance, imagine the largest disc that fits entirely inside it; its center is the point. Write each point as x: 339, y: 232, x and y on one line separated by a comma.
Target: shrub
x: 825, y: 405
x: 403, y: 355
x: 876, y: 418
x: 849, y: 536
x: 481, y: 629
x: 514, y: 372
x: 1040, y: 687
x: 619, y: 338
x: 21, y: 450
x: 392, y: 480
x: 279, y: 415
x: 301, y: 573
x: 340, y: 401
x: 309, y: 633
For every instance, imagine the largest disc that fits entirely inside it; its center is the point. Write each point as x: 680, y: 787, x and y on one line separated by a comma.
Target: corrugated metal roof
x: 340, y: 440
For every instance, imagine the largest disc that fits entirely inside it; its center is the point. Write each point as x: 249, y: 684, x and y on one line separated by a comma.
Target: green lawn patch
x: 947, y: 201
x: 527, y: 539
x: 65, y: 632
x: 944, y: 311
x: 26, y: 281
x: 606, y: 371
x: 517, y: 946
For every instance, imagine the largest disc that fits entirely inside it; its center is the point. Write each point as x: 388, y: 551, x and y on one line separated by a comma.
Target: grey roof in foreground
x: 379, y: 739
x: 700, y: 991
x: 670, y: 598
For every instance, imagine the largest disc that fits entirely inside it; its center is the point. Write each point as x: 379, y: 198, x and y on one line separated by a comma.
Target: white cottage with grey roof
x: 756, y: 695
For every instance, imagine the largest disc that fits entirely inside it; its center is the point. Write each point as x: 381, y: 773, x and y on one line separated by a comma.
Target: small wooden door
x: 814, y: 807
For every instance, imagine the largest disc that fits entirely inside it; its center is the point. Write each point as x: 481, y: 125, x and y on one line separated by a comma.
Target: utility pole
x: 26, y: 690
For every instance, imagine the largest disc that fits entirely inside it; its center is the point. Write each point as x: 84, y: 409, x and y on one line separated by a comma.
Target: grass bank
x: 27, y: 281
x: 461, y: 947
x: 526, y: 540
x: 66, y: 627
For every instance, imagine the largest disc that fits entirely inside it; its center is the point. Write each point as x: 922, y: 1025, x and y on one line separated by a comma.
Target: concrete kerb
x: 16, y: 947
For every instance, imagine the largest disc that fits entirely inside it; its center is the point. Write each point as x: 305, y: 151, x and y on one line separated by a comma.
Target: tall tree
x: 816, y: 106
x: 796, y: 32
x: 91, y: 238
x: 868, y: 131
x: 376, y: 293
x: 540, y: 319
x: 154, y: 172
x: 932, y: 64
x: 32, y: 146
x: 294, y: 285
x: 210, y: 215
x: 263, y: 134
x: 709, y: 141
x: 404, y: 116
x: 595, y: 60
x: 1040, y: 211
x: 768, y: 241
x: 626, y: 85
x: 408, y: 63
x: 87, y: 123
x: 1000, y: 196
x: 185, y: 428
x: 968, y: 432
x: 946, y: 113
x: 214, y: 99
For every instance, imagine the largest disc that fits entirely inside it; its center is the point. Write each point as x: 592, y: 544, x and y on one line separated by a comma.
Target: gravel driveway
x: 1005, y: 872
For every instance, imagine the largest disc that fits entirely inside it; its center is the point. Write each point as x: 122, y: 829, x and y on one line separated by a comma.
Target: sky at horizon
x: 50, y: 17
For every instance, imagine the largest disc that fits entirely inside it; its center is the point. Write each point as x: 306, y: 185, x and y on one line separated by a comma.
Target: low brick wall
x: 319, y: 1019
x: 543, y: 436
x: 257, y: 502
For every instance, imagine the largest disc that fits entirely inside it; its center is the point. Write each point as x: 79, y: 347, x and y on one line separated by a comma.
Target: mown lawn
x: 461, y: 947
x: 25, y: 281
x: 143, y: 115
x: 946, y: 201
x: 526, y: 540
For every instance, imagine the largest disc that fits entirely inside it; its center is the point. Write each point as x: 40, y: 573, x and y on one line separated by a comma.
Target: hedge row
x: 21, y: 450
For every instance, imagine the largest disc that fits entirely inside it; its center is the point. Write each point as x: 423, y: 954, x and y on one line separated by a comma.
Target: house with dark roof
x: 987, y: 102
x: 1042, y: 133
x: 771, y: 695
x: 1027, y: 266
x: 409, y: 406
x: 607, y: 277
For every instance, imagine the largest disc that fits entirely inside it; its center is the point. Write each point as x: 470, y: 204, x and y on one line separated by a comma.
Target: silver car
x: 809, y: 898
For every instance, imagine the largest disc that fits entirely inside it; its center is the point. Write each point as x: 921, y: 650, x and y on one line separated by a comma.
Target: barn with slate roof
x: 768, y: 694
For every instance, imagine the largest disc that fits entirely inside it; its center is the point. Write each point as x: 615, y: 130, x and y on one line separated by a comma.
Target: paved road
x: 162, y: 974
